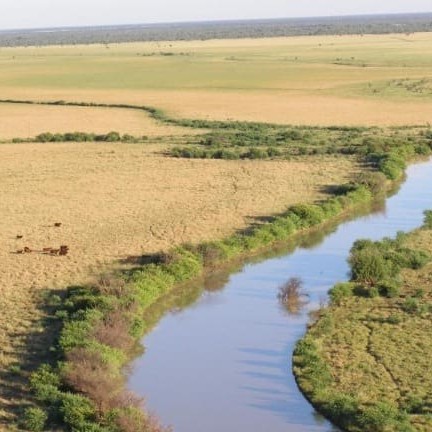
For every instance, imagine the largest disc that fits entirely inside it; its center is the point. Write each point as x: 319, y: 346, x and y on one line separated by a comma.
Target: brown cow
x: 64, y: 250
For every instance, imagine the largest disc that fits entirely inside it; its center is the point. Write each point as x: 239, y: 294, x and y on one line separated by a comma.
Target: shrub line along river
x: 223, y: 363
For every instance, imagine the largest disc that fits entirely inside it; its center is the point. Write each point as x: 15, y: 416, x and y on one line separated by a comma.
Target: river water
x: 222, y: 361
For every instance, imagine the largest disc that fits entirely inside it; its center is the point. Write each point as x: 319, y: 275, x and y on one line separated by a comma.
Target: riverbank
x: 102, y: 323
x: 365, y: 362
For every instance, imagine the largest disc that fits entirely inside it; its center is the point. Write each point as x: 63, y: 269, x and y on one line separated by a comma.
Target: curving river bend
x: 223, y: 362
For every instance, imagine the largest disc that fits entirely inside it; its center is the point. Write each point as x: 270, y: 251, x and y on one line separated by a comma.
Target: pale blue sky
x: 57, y: 13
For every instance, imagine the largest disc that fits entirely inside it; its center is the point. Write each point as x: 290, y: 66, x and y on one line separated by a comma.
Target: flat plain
x: 117, y: 200
x: 325, y: 80
x: 27, y: 121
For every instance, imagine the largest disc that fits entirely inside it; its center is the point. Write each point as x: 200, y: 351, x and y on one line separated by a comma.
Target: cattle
x: 64, y: 250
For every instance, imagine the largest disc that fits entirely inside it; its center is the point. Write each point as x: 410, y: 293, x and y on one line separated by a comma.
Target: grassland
x: 324, y: 80
x: 24, y: 121
x: 366, y: 361
x: 117, y: 201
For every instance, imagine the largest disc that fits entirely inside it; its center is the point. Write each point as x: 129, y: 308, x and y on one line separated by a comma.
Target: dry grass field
x: 118, y: 200
x: 326, y: 80
x: 27, y: 121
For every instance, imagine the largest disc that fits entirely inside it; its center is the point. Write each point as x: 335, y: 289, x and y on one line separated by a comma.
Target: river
x: 223, y: 362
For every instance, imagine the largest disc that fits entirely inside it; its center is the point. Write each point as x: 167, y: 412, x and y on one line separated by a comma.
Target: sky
x: 15, y: 14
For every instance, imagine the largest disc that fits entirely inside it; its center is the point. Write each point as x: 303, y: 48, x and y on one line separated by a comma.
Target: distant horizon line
x: 210, y: 21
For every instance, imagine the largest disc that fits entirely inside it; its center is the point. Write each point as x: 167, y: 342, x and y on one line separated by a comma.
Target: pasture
x: 322, y: 80
x: 115, y: 201
x: 25, y: 121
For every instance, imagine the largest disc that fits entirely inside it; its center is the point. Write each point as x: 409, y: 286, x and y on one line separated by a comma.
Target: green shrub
x: 392, y: 166
x: 378, y: 417
x: 376, y: 182
x: 309, y: 214
x: 394, y: 319
x: 422, y: 149
x: 369, y: 266
x: 77, y: 411
x: 44, y: 137
x: 45, y: 383
x: 389, y: 288
x: 373, y: 292
x: 112, y: 137
x: 417, y: 259
x: 309, y: 364
x: 428, y: 219
x: 273, y: 152
x: 225, y: 154
x: 255, y: 153
x: 341, y: 408
x: 414, y: 405
x: 411, y: 305
x: 211, y: 252
x: 341, y: 291
x: 34, y: 419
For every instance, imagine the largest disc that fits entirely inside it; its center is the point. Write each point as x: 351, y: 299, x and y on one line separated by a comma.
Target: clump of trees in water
x: 291, y: 295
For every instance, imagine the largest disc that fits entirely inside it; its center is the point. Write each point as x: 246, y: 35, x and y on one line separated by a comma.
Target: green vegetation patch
x: 365, y: 363
x: 386, y: 149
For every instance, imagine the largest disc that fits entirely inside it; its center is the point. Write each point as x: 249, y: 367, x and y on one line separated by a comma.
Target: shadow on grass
x: 38, y: 348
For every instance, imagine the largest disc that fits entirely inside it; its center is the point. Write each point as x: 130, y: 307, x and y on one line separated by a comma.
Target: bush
x: 113, y: 331
x: 112, y: 137
x: 34, y: 419
x: 379, y: 416
x: 341, y: 291
x: 394, y: 319
x: 417, y: 259
x: 309, y: 214
x: 411, y: 305
x: 392, y: 166
x: 45, y: 383
x: 290, y: 295
x: 389, y: 289
x: 375, y: 181
x: 341, y: 408
x: 369, y: 266
x: 212, y: 253
x: 77, y: 411
x: 373, y: 292
x: 255, y: 153
x: 428, y: 219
